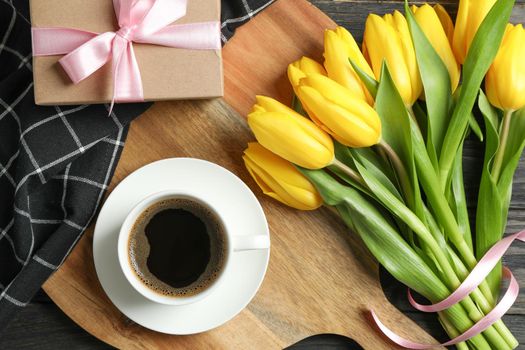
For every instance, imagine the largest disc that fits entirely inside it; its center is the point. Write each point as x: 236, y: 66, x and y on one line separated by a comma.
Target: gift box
x: 165, y: 73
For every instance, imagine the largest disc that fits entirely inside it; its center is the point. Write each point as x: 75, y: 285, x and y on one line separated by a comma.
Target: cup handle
x: 251, y: 242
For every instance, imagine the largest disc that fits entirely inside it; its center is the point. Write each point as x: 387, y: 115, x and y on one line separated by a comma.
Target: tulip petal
x: 339, y: 47
x: 470, y: 15
x: 271, y: 105
x: 505, y: 80
x: 270, y: 187
x: 383, y: 41
x: 446, y: 22
x: 310, y: 66
x: 409, y: 53
x: 431, y: 25
x: 279, y: 179
x: 302, y: 67
x: 352, y: 50
x: 294, y: 138
x: 341, y: 96
x: 346, y: 127
x: 294, y: 75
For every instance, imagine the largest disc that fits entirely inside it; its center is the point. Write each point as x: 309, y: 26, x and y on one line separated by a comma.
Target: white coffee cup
x: 236, y: 242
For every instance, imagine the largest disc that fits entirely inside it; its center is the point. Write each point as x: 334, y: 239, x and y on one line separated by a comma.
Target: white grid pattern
x: 249, y: 14
x: 8, y: 110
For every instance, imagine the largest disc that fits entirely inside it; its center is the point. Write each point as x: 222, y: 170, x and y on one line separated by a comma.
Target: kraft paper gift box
x: 167, y: 73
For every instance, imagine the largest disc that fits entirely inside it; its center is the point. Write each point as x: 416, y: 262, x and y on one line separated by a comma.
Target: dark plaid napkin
x: 55, y: 161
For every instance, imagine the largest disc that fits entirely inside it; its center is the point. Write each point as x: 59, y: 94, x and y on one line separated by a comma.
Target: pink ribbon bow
x: 140, y: 21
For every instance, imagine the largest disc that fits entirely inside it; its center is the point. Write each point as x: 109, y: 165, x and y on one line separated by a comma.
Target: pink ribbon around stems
x: 475, y: 278
x: 140, y: 21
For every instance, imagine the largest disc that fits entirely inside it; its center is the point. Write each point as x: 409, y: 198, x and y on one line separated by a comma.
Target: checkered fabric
x: 55, y: 161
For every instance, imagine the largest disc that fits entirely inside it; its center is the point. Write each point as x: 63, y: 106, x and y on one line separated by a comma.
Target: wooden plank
x: 41, y: 325
x: 349, y: 13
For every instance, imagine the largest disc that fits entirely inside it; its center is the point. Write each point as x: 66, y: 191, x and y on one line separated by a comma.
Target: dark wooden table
x: 42, y: 325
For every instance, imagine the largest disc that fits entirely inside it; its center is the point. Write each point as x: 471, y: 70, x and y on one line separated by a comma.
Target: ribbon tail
x: 501, y: 309
x: 127, y: 81
x: 196, y: 36
x: 88, y: 58
x: 58, y: 41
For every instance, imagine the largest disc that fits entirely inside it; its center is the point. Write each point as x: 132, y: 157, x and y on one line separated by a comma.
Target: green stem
x: 439, y: 204
x: 422, y: 231
x: 400, y: 169
x: 451, y: 330
x: 354, y: 175
x: 410, y: 110
x: 500, y: 153
x: 478, y: 295
x: 395, y: 254
x: 456, y: 195
x: 451, y: 279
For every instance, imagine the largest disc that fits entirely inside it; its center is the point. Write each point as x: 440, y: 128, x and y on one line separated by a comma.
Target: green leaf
x: 394, y: 117
x: 393, y: 203
x: 370, y: 83
x: 431, y: 186
x: 489, y: 224
x: 378, y: 166
x: 500, y: 208
x: 491, y: 118
x: 474, y: 126
x: 513, y: 150
x: 482, y: 51
x: 329, y: 189
x: 436, y: 82
x: 419, y: 109
x: 385, y: 243
x: 342, y: 154
x: 396, y: 132
x: 458, y: 200
x: 375, y: 171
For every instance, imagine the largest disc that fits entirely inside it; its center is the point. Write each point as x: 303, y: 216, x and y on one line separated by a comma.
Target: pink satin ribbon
x: 475, y: 278
x: 140, y: 21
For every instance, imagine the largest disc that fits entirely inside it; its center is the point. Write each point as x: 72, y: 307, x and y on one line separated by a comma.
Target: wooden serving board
x: 320, y: 278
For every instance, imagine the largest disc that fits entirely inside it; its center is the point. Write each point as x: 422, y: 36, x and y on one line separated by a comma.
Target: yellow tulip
x: 339, y: 47
x: 290, y: 135
x: 389, y: 39
x: 279, y: 179
x: 350, y: 120
x: 505, y: 80
x: 446, y: 22
x: 470, y: 15
x: 300, y: 68
x: 429, y: 21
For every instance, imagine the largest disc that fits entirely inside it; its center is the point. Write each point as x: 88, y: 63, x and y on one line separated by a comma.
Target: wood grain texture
x: 320, y: 278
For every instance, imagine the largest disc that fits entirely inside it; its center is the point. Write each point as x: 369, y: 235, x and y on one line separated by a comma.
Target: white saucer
x: 241, y: 282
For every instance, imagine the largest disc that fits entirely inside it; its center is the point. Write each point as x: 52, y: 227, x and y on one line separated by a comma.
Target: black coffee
x: 177, y: 247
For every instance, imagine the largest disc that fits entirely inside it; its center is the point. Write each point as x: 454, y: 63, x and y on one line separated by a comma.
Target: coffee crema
x: 177, y: 247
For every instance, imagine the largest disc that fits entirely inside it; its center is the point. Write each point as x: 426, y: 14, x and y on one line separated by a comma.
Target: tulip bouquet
x: 376, y: 133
